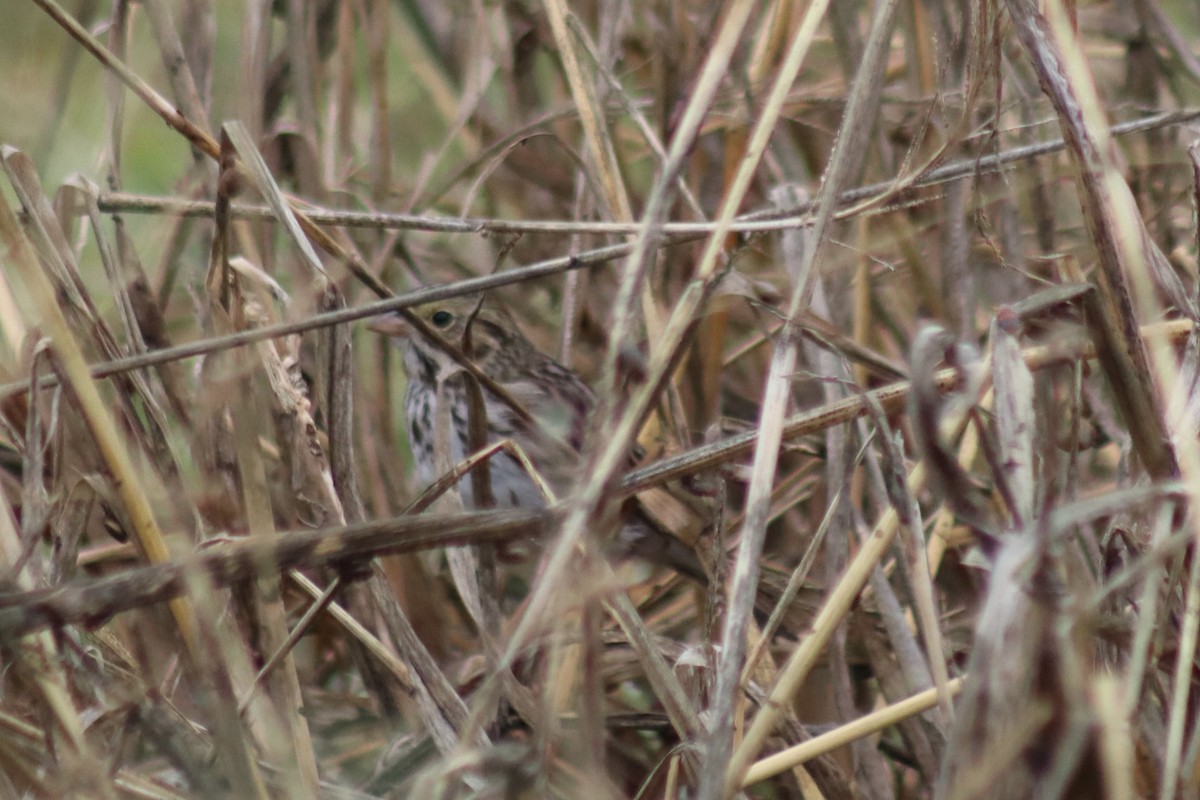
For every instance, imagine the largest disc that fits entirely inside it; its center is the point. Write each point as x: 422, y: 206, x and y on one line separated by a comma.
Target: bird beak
x: 390, y: 325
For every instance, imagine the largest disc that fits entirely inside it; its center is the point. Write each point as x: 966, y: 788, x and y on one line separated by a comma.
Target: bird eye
x: 441, y: 319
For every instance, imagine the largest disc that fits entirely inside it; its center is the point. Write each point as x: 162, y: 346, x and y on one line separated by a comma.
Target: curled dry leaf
x: 929, y: 409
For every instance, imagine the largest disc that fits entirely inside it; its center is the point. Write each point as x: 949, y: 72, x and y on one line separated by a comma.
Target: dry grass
x: 898, y: 298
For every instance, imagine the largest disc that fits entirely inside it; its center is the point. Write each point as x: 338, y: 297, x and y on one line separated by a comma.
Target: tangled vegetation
x: 889, y: 309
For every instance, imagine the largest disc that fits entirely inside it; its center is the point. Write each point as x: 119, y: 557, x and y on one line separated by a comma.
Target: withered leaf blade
x: 1015, y: 423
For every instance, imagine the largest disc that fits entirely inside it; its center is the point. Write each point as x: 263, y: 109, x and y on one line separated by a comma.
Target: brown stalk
x: 245, y: 559
x: 1123, y: 354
